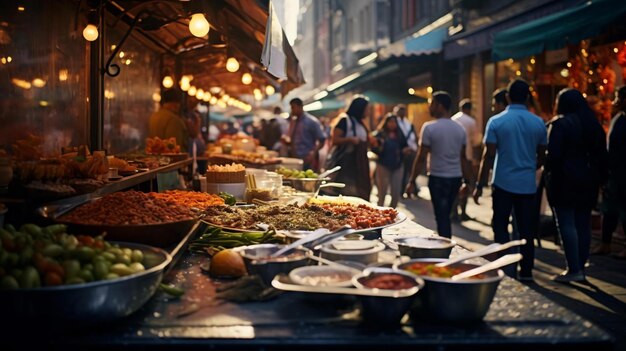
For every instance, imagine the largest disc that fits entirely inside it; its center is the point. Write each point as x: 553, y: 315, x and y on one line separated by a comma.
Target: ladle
x: 500, y: 262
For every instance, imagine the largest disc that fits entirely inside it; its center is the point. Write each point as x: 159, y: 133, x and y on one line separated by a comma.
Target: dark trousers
x: 443, y: 192
x: 504, y: 203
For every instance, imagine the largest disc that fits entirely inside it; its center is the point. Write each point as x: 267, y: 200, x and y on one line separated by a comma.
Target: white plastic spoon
x: 500, y: 262
x: 493, y: 248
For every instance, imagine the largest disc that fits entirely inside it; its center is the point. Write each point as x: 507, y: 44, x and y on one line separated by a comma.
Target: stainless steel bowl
x: 257, y: 260
x: 365, y: 256
x: 386, y: 312
x: 308, y: 185
x: 424, y: 247
x: 98, y: 301
x: 454, y: 301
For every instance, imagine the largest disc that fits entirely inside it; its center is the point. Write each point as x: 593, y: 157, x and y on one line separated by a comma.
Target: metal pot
x: 454, y: 301
x: 257, y: 260
x: 424, y: 247
x: 92, y: 302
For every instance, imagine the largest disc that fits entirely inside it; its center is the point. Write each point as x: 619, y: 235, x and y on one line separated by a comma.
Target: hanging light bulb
x: 185, y: 83
x: 199, y: 94
x: 213, y: 100
x: 192, y: 91
x: 269, y: 90
x: 90, y: 33
x: 168, y: 82
x: 232, y: 65
x: 206, y: 98
x: 246, y: 78
x: 198, y: 25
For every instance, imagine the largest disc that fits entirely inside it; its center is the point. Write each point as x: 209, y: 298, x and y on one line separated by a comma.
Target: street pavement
x: 602, y: 299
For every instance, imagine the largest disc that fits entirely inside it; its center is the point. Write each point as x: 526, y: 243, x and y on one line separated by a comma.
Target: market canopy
x: 392, y: 97
x: 238, y: 29
x: 558, y: 30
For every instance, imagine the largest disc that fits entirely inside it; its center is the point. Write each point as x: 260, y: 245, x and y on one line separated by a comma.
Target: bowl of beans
x: 443, y: 299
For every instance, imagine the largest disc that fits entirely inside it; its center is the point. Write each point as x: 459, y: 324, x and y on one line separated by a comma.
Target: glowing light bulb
x: 269, y: 90
x: 246, y: 78
x: 411, y: 91
x: 213, y: 100
x: 168, y: 82
x: 429, y: 90
x: 232, y: 65
x: 185, y: 83
x: 199, y: 94
x: 39, y: 83
x: 63, y: 75
x: 90, y: 33
x: 198, y: 25
x: 206, y: 98
x: 192, y: 91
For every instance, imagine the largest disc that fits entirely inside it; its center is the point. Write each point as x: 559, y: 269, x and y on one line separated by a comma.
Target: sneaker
x: 602, y: 249
x: 567, y: 277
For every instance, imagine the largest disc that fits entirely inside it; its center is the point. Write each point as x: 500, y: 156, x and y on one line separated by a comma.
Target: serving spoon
x: 328, y: 172
x: 318, y: 238
x: 500, y: 262
x: 493, y: 248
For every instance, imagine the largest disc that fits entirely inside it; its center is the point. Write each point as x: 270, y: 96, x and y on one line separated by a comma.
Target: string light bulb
x: 192, y: 91
x: 232, y: 65
x: 198, y: 25
x: 269, y: 90
x: 168, y: 82
x: 246, y: 78
x: 90, y: 33
x: 200, y: 94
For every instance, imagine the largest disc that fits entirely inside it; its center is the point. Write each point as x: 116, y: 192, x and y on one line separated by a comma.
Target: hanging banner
x: 273, y: 57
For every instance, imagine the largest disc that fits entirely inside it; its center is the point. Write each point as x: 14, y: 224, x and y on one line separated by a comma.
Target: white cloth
x: 405, y: 126
x: 471, y: 132
x: 446, y: 139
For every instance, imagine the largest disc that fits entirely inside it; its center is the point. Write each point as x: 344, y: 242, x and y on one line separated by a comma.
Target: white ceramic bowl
x: 336, y: 276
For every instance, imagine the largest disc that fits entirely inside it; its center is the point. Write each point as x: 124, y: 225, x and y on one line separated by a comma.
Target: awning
x: 427, y: 44
x: 558, y: 30
x: 324, y: 105
x: 392, y: 97
x: 481, y: 39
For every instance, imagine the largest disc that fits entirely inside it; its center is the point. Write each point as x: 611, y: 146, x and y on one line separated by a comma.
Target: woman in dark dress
x: 575, y: 168
x: 389, y: 167
x: 349, y: 143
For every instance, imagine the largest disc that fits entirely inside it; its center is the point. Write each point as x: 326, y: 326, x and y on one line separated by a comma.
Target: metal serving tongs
x: 315, y: 239
x: 493, y: 248
x: 328, y: 185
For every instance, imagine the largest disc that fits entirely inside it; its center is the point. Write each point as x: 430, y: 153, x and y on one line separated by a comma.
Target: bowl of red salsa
x: 386, y: 312
x: 446, y: 300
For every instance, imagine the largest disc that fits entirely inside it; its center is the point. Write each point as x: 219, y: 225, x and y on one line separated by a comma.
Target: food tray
x: 160, y: 235
x: 282, y: 282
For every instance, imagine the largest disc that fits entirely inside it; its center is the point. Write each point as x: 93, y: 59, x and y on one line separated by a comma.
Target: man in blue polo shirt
x: 515, y: 141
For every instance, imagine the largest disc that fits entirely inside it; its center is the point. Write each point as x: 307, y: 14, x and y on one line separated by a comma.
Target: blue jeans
x: 443, y: 192
x: 504, y: 203
x: 574, y: 225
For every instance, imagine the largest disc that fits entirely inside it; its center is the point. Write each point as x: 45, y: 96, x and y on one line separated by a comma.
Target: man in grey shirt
x: 445, y: 141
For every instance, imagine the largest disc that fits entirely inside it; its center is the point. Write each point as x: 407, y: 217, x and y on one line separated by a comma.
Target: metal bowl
x: 87, y: 303
x: 386, y: 312
x: 454, y: 301
x: 257, y: 260
x: 334, y: 253
x: 307, y: 275
x: 308, y: 185
x: 425, y: 247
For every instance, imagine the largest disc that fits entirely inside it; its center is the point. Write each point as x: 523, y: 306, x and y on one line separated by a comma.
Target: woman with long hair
x: 349, y: 143
x: 389, y: 166
x: 574, y: 170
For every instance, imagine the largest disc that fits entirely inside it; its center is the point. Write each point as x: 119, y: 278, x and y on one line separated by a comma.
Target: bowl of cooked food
x: 259, y: 260
x: 424, y: 247
x: 448, y: 300
x: 386, y: 311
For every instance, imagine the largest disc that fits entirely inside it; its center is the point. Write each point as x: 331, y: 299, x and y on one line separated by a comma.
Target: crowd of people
x: 571, y: 153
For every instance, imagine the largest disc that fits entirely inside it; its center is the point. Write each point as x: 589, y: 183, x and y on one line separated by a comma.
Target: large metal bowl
x: 308, y: 185
x: 87, y: 303
x: 257, y: 260
x: 454, y: 301
x: 386, y: 312
x: 424, y: 247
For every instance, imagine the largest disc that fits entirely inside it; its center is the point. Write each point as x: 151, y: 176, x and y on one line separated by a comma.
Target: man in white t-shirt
x: 464, y: 118
x: 410, y: 151
x: 445, y: 141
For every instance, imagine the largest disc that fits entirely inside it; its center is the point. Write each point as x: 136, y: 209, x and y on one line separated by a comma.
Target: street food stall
x: 122, y: 260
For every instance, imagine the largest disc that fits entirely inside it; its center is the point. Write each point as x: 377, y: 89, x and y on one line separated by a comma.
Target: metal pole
x: 96, y: 88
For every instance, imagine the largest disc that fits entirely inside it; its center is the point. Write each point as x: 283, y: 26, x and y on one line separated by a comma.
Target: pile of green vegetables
x: 216, y: 239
